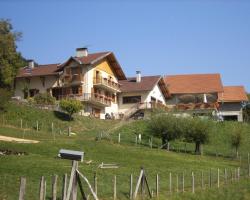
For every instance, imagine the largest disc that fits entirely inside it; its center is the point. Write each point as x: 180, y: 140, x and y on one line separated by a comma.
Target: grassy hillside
x: 42, y: 157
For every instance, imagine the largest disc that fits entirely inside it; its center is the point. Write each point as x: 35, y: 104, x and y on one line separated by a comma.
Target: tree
x: 10, y: 59
x: 197, y: 131
x: 236, y: 137
x: 71, y: 106
x: 5, y: 96
x: 165, y: 126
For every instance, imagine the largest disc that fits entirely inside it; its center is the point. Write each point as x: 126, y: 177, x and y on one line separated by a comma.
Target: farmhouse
x: 90, y: 78
x: 201, y: 93
x: 141, y: 93
x: 231, y: 101
x: 98, y: 81
x: 95, y: 79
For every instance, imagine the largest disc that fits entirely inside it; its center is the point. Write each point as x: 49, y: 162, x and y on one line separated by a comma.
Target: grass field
x: 42, y: 157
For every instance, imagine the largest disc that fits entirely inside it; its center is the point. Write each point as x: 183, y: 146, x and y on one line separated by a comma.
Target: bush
x: 71, y: 106
x: 44, y: 99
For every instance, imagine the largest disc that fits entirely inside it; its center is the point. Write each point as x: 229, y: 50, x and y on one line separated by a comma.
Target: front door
x: 97, y: 112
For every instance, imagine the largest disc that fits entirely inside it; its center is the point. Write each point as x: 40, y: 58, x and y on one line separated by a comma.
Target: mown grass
x: 42, y: 158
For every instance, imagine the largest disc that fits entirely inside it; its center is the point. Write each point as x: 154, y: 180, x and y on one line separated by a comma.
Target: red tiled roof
x: 194, y: 83
x: 91, y: 57
x: 147, y: 83
x: 95, y: 57
x: 233, y: 94
x: 52, y: 69
x: 40, y: 70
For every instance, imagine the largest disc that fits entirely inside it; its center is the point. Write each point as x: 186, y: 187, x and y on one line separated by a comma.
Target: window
x: 131, y: 99
x: 75, y: 90
x: 75, y: 70
x: 153, y: 99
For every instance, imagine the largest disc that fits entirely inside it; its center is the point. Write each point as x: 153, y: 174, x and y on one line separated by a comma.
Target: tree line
x: 195, y: 130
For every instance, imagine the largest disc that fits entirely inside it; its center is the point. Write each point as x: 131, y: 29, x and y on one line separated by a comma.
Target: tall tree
x: 10, y: 59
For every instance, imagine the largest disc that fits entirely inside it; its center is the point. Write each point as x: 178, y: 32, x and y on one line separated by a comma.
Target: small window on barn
x: 131, y: 99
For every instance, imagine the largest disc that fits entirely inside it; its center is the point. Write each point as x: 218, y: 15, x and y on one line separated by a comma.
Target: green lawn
x: 42, y: 158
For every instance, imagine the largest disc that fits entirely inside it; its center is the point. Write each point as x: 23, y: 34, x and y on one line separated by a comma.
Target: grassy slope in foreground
x: 42, y: 161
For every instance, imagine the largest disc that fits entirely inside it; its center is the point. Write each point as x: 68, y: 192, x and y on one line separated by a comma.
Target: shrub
x: 71, y: 106
x: 44, y: 99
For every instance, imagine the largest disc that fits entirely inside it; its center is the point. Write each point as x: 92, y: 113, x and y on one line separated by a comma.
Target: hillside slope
x: 41, y: 158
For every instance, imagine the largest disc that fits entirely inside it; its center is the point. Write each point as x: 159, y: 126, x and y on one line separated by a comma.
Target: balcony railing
x: 196, y: 106
x: 107, y: 83
x: 94, y: 98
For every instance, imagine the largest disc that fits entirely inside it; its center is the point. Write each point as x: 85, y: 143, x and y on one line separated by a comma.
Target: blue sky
x: 154, y: 36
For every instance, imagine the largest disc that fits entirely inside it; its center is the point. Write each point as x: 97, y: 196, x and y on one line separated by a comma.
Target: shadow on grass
x: 62, y: 116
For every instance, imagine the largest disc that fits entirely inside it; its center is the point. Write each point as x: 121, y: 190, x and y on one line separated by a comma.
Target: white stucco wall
x: 125, y: 107
x: 35, y: 83
x: 157, y: 94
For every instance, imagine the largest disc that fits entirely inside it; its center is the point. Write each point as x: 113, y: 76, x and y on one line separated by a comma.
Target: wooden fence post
x: 157, y: 185
x: 232, y: 177
x: 74, y: 184
x: 22, y: 188
x: 52, y: 127
x: 37, y: 125
x: 170, y: 183
x: 225, y: 176
x: 41, y: 190
x: 131, y: 187
x: 202, y: 180
x: 248, y: 159
x: 193, y: 189
x: 218, y: 178
x: 177, y: 183
x: 248, y: 170
x: 45, y: 187
x: 64, y: 189
x: 95, y: 183
x: 21, y: 123
x: 115, y: 187
x: 54, y: 187
x: 238, y: 173
x: 69, y: 130
x: 210, y: 178
x: 119, y: 138
x: 183, y: 182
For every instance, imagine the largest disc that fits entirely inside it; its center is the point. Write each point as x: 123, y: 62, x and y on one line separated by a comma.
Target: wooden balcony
x: 92, y: 98
x: 196, y: 107
x: 106, y: 84
x: 73, y: 79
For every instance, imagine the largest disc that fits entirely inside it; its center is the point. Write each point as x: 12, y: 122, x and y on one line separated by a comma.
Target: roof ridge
x: 193, y: 74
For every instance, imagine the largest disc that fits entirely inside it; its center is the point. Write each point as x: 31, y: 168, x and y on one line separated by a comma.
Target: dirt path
x: 19, y: 140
